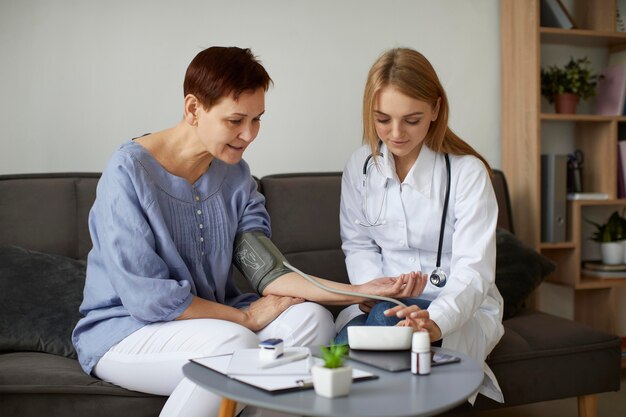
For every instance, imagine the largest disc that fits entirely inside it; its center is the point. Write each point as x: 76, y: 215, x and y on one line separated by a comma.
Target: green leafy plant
x: 612, y: 231
x: 575, y: 78
x: 333, y: 355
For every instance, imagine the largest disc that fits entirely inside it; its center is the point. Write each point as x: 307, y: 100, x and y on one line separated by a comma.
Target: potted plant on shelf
x: 333, y: 378
x: 610, y: 236
x: 565, y: 86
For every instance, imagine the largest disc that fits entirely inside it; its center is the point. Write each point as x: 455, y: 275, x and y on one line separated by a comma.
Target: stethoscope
x: 438, y: 277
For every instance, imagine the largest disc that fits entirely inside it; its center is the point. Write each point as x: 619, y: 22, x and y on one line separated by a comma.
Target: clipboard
x: 273, y: 384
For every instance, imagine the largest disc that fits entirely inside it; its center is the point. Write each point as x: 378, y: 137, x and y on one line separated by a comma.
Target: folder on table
x: 271, y: 382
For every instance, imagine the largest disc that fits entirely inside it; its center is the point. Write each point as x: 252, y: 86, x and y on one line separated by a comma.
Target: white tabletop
x: 393, y: 394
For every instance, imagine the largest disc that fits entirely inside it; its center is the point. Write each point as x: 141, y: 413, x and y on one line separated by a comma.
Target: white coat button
x: 411, y: 259
x: 199, y: 212
x: 201, y: 239
x: 197, y: 198
x: 201, y: 225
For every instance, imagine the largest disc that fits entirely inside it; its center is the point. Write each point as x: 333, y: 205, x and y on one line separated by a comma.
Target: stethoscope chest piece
x: 438, y: 278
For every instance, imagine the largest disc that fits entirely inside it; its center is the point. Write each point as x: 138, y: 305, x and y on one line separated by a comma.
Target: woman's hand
x: 263, y: 311
x: 405, y: 286
x: 416, y: 318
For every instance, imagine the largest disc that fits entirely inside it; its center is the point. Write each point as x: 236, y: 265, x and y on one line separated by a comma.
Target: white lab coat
x: 468, y: 309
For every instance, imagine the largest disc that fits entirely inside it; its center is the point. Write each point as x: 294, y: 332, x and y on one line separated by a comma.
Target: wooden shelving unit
x: 522, y: 39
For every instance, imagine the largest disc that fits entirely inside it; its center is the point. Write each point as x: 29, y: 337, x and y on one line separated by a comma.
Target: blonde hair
x: 409, y: 72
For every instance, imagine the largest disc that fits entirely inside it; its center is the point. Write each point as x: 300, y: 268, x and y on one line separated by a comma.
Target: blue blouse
x: 158, y: 240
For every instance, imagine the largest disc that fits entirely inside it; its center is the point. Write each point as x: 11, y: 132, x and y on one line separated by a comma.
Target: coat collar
x: 421, y: 173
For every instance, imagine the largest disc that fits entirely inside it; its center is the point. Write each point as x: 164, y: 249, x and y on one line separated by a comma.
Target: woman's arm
x: 123, y: 267
x: 261, y: 263
x: 258, y: 315
x: 292, y: 284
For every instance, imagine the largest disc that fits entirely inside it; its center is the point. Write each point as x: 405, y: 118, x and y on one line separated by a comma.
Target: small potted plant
x: 333, y: 378
x: 610, y: 236
x: 565, y: 86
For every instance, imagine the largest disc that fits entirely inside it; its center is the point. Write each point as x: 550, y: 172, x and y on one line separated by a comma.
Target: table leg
x: 227, y: 407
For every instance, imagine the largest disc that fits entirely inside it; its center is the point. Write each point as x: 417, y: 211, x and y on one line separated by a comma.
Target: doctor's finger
x: 419, y: 314
x: 401, y: 312
x: 418, y: 284
x: 408, y: 285
x: 400, y: 284
x: 422, y: 281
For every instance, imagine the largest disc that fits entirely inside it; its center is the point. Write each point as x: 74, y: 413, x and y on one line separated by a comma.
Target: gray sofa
x: 44, y: 237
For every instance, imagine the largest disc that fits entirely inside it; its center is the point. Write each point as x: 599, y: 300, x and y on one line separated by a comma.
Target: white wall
x: 79, y: 77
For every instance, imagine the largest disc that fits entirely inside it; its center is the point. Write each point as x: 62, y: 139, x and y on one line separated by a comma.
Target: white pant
x: 151, y: 359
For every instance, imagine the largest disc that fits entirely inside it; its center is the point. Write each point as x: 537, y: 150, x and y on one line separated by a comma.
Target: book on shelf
x: 603, y: 274
x: 621, y: 164
x: 611, y: 91
x: 620, y: 16
x: 587, y: 196
x: 554, y: 14
x: 599, y: 266
x: 618, y: 58
x: 621, y: 171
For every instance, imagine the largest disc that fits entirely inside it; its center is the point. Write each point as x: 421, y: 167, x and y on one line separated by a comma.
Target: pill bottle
x: 420, y: 353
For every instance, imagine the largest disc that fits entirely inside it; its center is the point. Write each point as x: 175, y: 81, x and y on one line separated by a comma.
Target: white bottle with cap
x: 420, y: 353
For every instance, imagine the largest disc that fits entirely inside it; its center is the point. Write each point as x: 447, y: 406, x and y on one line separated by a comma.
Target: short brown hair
x: 219, y: 71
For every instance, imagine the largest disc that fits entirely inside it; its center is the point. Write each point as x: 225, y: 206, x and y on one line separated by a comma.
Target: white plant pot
x: 612, y: 252
x: 331, y: 383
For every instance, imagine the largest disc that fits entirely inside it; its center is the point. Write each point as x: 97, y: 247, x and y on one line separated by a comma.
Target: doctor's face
x: 402, y: 122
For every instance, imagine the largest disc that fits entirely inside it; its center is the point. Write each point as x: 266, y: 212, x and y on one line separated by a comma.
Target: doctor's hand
x: 417, y: 318
x: 404, y: 286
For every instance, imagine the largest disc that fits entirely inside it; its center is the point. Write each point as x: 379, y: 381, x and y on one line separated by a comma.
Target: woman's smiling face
x: 230, y: 125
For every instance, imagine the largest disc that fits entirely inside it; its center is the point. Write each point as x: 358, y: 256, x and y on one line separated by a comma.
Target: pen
x: 305, y: 383
x: 285, y: 359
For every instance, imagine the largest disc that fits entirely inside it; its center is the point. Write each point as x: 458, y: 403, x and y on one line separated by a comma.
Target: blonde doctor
x: 417, y: 199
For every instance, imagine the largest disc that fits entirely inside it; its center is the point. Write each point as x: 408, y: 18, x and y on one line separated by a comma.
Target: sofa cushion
x: 47, y: 212
x: 519, y: 270
x: 39, y: 384
x: 40, y: 295
x: 542, y: 357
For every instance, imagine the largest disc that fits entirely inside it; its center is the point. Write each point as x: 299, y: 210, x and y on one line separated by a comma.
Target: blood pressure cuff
x: 258, y: 259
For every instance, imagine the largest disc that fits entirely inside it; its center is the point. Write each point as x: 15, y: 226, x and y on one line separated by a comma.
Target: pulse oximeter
x: 271, y: 349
